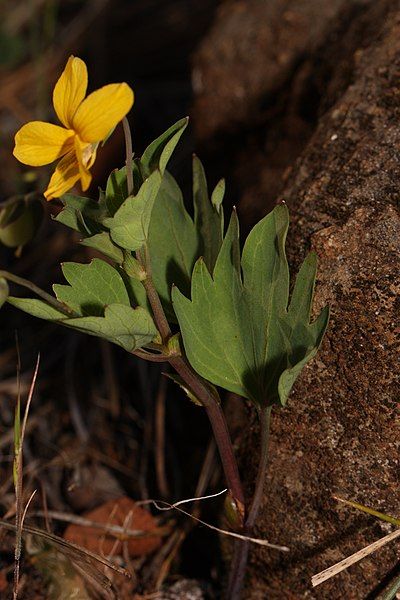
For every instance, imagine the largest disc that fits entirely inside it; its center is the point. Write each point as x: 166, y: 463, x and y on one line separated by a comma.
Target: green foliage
x: 121, y: 324
x: 157, y: 155
x: 100, y: 305
x: 4, y: 291
x: 37, y: 308
x: 173, y: 242
x: 92, y: 287
x: 117, y: 187
x: 238, y: 330
x: 104, y: 244
x: 118, y: 221
x: 208, y: 216
x: 81, y: 214
x: 131, y: 328
x: 130, y: 225
x: 19, y: 222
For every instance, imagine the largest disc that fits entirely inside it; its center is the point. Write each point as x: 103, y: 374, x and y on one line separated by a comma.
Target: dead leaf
x: 122, y: 512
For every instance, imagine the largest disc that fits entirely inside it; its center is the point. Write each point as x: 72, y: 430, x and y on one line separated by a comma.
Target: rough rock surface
x: 339, y: 433
x: 258, y: 44
x: 262, y: 77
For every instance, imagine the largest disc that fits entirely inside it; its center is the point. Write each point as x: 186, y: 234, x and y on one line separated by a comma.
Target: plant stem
x: 129, y: 155
x: 200, y: 389
x: 241, y: 549
x: 219, y: 427
x: 36, y: 290
x: 152, y: 294
x: 199, y: 386
x: 158, y: 358
x: 265, y: 421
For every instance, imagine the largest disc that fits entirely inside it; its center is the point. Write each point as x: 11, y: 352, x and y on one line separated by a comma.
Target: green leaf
x: 92, y: 287
x: 81, y: 214
x: 37, y: 308
x: 103, y: 243
x: 19, y: 222
x: 218, y: 195
x: 123, y: 325
x: 130, y: 225
x: 157, y: 155
x: 173, y: 243
x: 128, y: 327
x: 4, y: 291
x: 207, y: 216
x: 238, y: 330
x: 117, y: 188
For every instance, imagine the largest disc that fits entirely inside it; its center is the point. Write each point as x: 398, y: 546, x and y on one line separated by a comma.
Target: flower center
x: 87, y: 153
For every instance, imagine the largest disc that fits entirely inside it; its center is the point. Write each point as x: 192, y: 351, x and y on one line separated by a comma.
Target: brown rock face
x: 250, y: 53
x: 340, y: 432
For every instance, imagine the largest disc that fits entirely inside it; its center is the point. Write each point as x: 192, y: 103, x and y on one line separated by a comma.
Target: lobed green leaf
x: 173, y: 242
x: 238, y: 330
x: 208, y: 217
x: 158, y: 153
x: 130, y: 225
x: 130, y: 328
x: 91, y: 287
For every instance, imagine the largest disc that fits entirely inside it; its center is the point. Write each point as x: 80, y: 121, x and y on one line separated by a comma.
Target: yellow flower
x: 87, y: 122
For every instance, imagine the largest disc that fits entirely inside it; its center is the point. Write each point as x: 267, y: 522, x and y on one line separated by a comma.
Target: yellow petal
x: 38, y: 143
x: 101, y: 111
x: 85, y: 158
x: 64, y: 177
x: 70, y: 90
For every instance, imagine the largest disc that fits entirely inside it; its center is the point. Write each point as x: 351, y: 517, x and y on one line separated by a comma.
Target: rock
x: 339, y: 433
x: 262, y: 77
x: 249, y: 54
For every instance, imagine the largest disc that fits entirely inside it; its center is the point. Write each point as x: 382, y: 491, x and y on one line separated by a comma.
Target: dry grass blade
x: 392, y: 591
x: 162, y: 505
x: 79, y: 556
x: 369, y: 511
x: 354, y: 558
x: 19, y: 434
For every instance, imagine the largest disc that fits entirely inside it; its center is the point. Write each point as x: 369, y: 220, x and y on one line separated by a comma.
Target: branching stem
x: 199, y: 386
x: 200, y: 389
